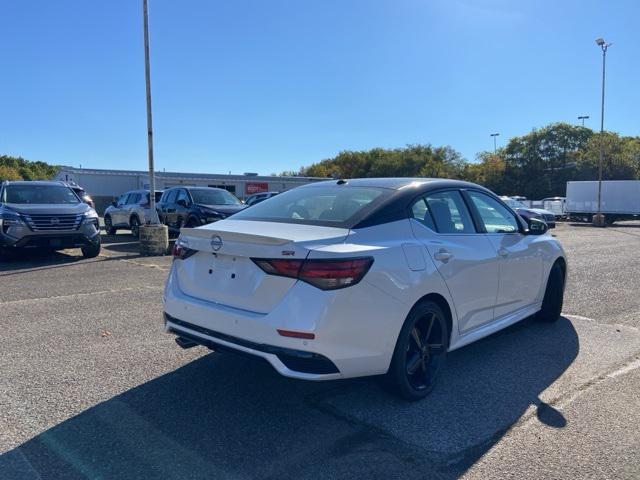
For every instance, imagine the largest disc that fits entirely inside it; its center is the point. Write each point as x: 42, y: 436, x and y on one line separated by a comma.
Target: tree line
x: 17, y: 168
x: 535, y: 165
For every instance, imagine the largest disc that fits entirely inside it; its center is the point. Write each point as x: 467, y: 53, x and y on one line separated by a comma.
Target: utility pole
x: 583, y: 118
x: 147, y: 74
x: 495, y: 149
x: 598, y: 219
x: 154, y: 237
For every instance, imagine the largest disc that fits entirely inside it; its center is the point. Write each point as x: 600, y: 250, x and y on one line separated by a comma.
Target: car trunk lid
x: 222, y: 271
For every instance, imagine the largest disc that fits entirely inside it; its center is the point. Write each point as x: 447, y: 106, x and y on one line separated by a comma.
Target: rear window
x: 39, y: 195
x: 331, y: 206
x: 213, y: 197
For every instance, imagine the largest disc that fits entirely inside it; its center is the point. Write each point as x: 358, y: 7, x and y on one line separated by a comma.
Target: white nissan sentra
x: 348, y: 278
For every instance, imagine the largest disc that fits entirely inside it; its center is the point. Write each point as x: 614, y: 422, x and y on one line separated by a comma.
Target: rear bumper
x: 297, y: 361
x: 355, y: 329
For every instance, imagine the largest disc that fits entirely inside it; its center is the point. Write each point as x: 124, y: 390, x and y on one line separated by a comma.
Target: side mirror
x: 182, y: 202
x: 114, y: 204
x: 537, y: 227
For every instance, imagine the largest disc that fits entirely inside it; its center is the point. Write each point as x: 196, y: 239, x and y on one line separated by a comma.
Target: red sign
x: 256, y: 187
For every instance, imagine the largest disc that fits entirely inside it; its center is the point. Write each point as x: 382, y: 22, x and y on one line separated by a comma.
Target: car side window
x: 182, y: 195
x: 171, y: 196
x: 133, y: 198
x: 495, y: 216
x: 449, y: 212
x: 421, y: 213
x: 122, y: 200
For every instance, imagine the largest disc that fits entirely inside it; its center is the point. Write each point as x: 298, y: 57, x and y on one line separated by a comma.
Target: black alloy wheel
x: 420, y: 352
x: 135, y: 226
x: 553, y: 296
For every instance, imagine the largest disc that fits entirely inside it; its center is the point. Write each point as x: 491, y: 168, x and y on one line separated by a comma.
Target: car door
x: 129, y: 207
x: 183, y: 202
x: 169, y: 207
x: 465, y: 258
x: 117, y: 215
x: 519, y: 257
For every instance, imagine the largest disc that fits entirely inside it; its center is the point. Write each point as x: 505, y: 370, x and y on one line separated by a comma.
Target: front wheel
x: 553, y: 296
x: 91, y: 251
x: 135, y: 226
x: 420, y: 352
x: 108, y: 226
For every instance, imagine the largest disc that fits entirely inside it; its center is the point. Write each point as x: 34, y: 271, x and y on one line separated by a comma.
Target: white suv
x: 363, y: 277
x: 129, y: 211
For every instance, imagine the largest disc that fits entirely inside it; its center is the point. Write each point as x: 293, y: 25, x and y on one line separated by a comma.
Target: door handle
x: 443, y: 256
x: 503, y: 252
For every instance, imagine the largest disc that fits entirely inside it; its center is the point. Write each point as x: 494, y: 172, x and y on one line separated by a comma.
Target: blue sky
x: 267, y: 86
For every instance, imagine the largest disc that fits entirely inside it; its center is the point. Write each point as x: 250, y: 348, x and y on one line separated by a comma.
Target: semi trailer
x: 620, y: 200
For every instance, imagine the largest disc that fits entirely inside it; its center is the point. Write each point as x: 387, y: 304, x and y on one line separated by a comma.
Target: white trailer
x: 620, y: 200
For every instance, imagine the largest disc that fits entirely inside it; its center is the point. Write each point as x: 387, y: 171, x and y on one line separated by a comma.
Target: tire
x: 108, y: 226
x: 134, y: 223
x: 191, y: 223
x: 91, y: 251
x: 553, y: 296
x: 415, y: 366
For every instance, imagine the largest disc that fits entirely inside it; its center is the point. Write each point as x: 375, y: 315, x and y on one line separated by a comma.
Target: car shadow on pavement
x: 35, y: 259
x: 225, y: 416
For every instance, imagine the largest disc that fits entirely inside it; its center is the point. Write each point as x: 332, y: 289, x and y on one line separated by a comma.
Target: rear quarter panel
x: 395, y: 273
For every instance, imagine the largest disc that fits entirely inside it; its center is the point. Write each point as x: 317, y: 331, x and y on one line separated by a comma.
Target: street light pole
x: 583, y: 117
x: 154, y: 237
x: 598, y: 219
x: 494, y: 135
x: 147, y: 74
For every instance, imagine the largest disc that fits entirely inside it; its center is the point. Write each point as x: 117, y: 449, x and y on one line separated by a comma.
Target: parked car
x: 556, y: 205
x: 82, y: 194
x: 129, y: 211
x: 342, y: 278
x: 259, y: 197
x: 194, y: 206
x: 46, y: 215
x: 528, y: 213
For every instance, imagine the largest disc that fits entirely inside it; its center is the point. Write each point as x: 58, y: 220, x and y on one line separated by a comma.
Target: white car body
x: 221, y: 298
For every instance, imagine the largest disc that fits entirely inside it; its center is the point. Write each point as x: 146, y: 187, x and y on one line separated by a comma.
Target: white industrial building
x: 105, y: 185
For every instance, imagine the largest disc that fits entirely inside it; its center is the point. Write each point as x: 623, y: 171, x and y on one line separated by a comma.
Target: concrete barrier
x: 154, y: 240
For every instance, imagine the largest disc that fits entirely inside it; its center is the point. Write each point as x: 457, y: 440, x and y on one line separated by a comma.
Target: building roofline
x: 194, y: 176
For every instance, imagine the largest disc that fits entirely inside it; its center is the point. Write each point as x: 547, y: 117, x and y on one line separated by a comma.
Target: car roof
x: 396, y: 183
x: 52, y: 183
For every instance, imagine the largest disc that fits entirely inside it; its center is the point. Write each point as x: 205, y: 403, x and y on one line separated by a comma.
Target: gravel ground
x: 91, y: 387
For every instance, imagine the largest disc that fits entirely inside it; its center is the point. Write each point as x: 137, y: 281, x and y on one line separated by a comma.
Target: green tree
x: 25, y: 169
x: 621, y: 157
x: 9, y: 173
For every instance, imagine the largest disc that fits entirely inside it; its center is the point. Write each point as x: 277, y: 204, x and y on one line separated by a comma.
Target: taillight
x: 180, y: 251
x: 326, y: 274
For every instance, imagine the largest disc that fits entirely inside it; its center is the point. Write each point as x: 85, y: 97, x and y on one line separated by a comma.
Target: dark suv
x: 46, y: 215
x: 194, y: 206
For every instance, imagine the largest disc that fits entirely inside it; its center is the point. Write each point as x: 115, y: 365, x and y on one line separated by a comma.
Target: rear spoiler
x: 200, y: 234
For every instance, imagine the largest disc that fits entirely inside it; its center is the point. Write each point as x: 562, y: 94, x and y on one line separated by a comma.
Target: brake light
x: 180, y: 251
x: 326, y: 274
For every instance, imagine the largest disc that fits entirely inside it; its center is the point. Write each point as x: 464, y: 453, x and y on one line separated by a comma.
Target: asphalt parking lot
x: 91, y: 387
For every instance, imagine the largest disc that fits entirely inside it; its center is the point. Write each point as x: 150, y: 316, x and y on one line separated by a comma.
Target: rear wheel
x: 553, y: 296
x: 135, y: 226
x: 108, y: 226
x: 420, y: 352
